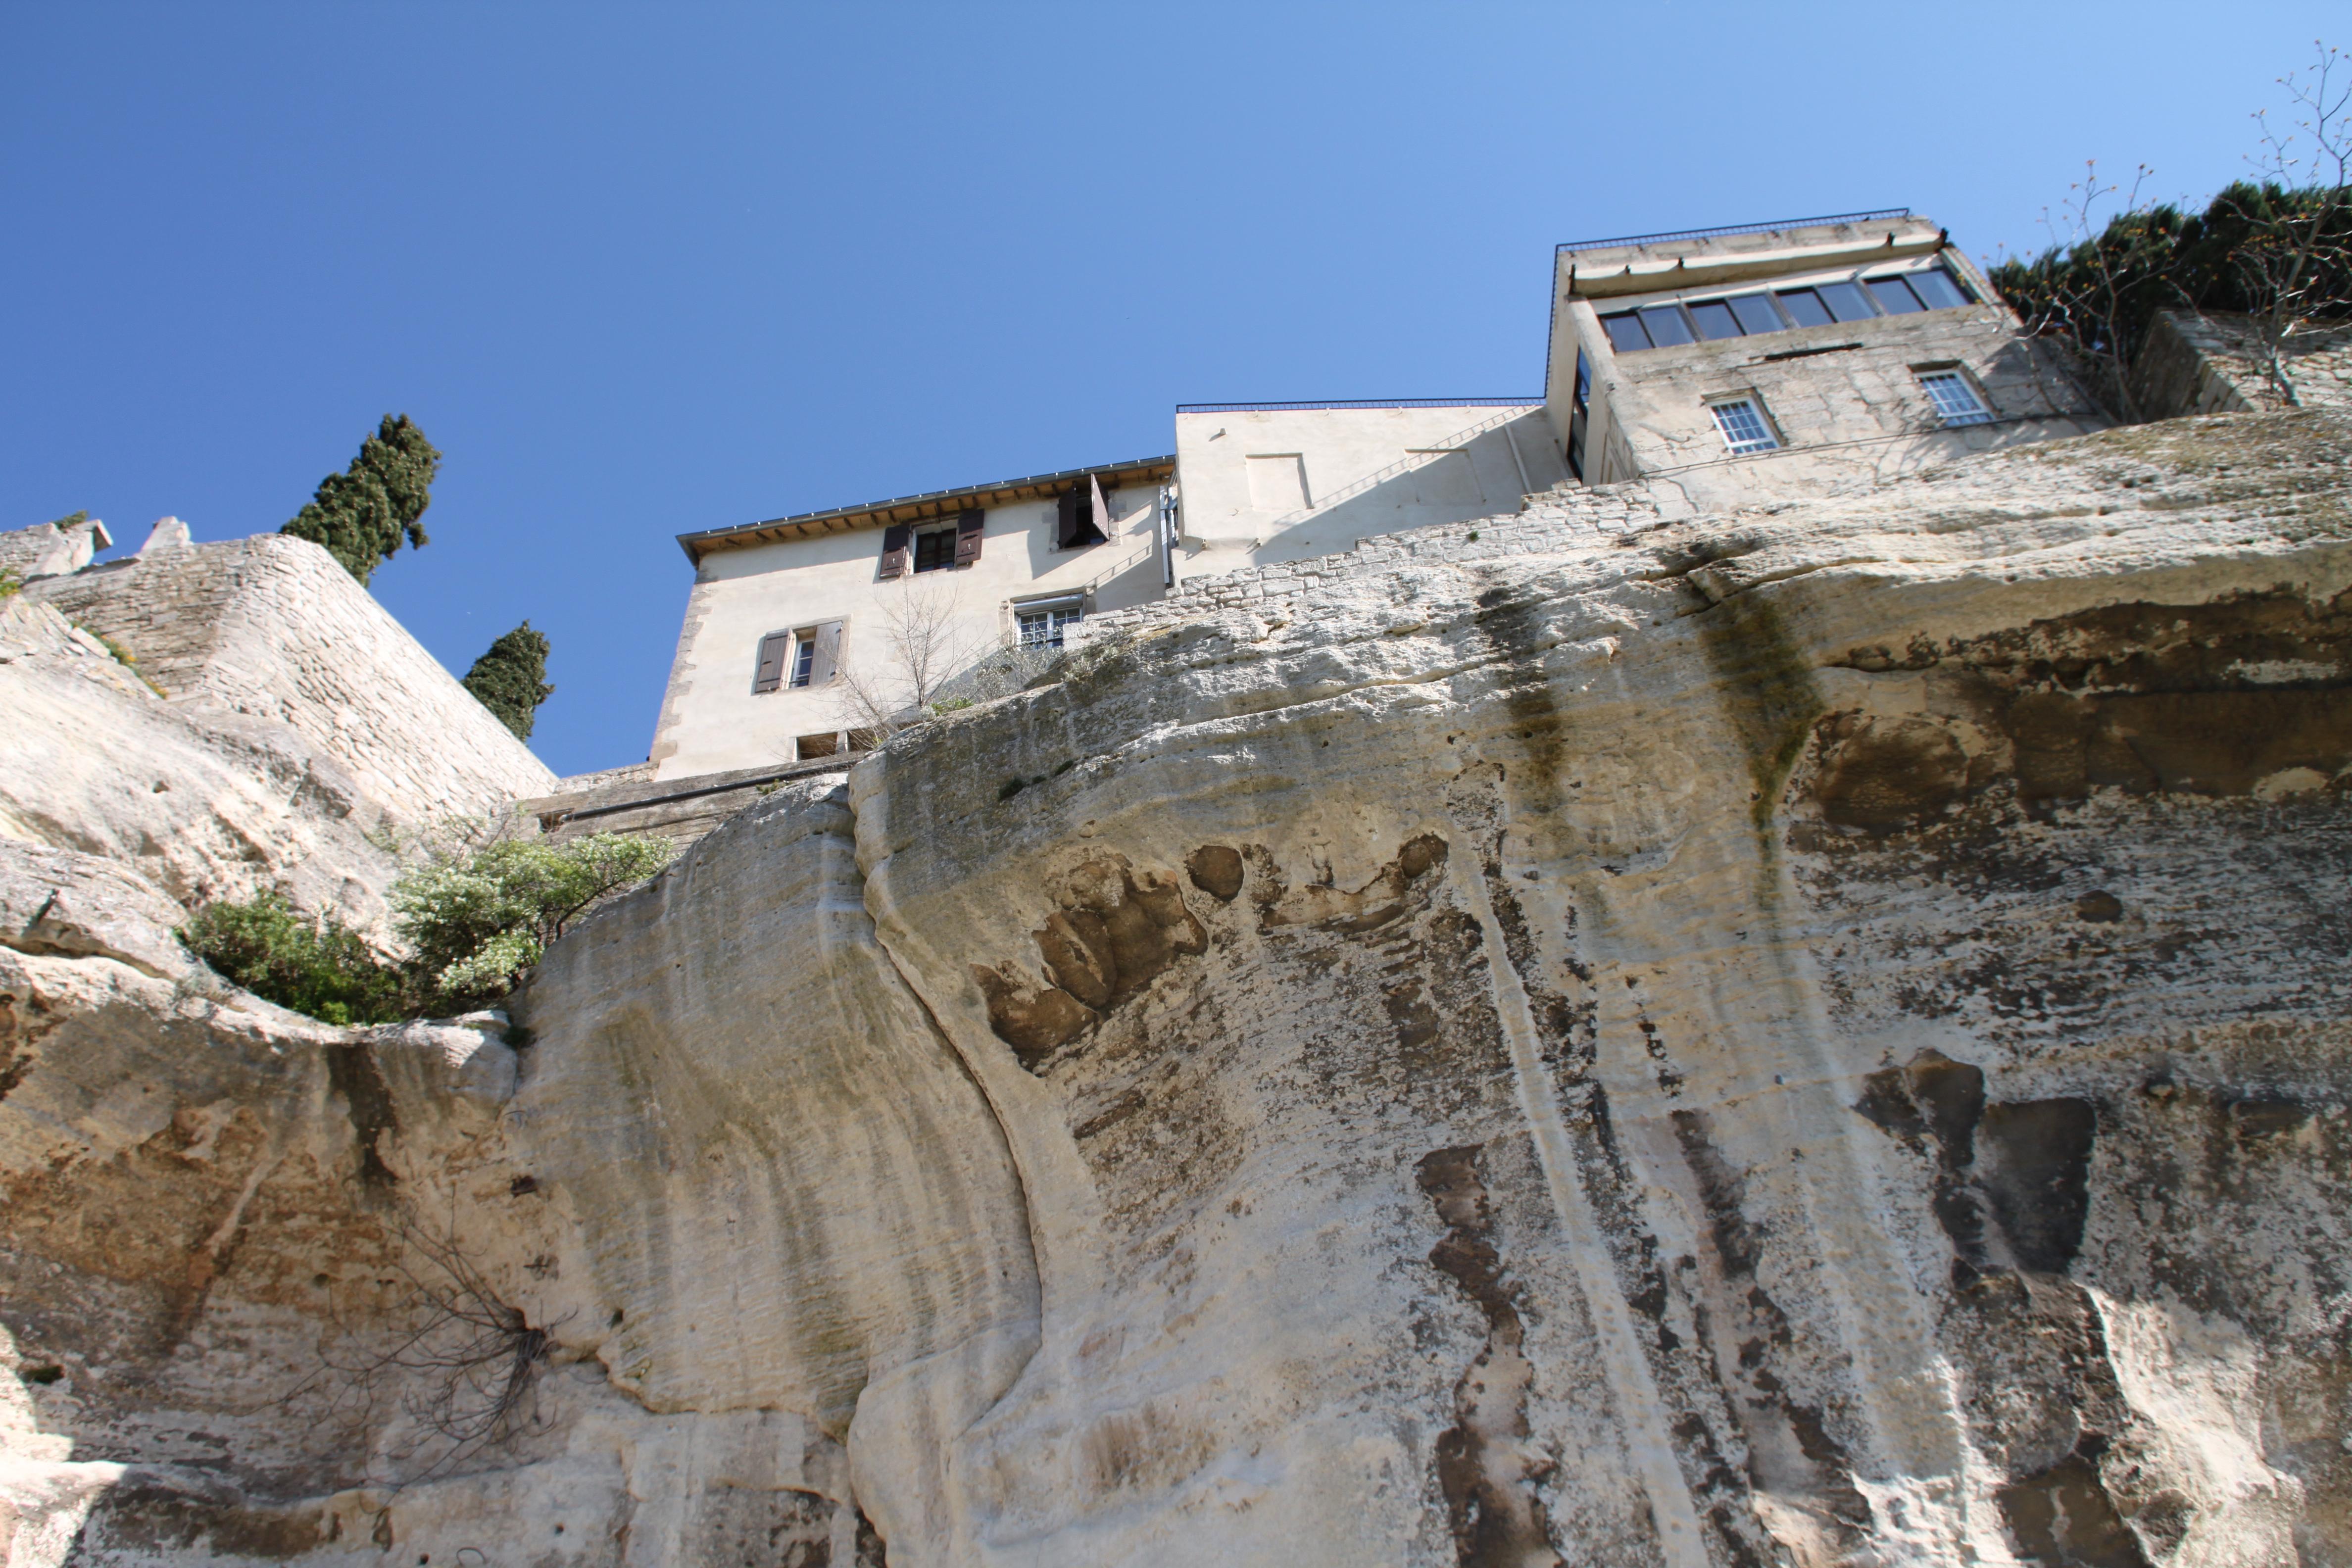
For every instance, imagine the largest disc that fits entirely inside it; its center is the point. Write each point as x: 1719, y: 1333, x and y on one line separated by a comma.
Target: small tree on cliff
x: 510, y: 678
x: 361, y: 514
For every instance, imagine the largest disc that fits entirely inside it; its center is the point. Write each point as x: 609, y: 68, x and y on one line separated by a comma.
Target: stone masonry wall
x: 272, y: 626
x: 2211, y: 364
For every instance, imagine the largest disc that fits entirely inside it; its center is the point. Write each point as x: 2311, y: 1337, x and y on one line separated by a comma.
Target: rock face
x: 203, y: 803
x: 1810, y: 1036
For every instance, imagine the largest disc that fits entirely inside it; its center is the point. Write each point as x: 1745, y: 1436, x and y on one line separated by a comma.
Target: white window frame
x: 1954, y: 375
x: 1074, y: 605
x: 1744, y: 447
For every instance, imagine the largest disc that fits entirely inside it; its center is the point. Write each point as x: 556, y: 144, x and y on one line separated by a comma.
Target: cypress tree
x: 510, y: 678
x: 361, y: 514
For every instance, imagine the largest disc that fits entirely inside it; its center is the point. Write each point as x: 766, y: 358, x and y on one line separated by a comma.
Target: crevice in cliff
x: 1483, y: 1469
x: 1795, y: 1461
x: 352, y: 1073
x: 1543, y: 1050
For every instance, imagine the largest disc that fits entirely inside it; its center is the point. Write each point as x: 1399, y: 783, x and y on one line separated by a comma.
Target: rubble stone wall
x: 272, y: 626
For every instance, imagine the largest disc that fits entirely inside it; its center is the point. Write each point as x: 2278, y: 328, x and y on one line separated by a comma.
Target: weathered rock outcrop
x: 203, y: 803
x: 272, y: 628
x: 1813, y: 1036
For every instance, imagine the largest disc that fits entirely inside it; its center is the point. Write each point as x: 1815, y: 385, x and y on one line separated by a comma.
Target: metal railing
x: 1361, y: 403
x: 1880, y: 215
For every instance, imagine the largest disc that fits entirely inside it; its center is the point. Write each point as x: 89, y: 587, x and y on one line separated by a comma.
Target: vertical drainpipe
x: 1168, y: 526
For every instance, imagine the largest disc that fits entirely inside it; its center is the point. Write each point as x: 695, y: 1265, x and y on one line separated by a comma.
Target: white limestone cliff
x: 1810, y: 1036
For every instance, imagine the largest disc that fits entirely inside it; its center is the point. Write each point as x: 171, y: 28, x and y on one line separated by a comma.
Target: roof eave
x: 914, y: 508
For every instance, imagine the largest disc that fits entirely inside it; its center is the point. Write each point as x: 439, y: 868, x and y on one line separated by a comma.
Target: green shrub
x: 321, y: 968
x: 477, y: 920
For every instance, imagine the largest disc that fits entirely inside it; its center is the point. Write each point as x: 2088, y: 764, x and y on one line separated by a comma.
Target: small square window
x: 1743, y: 427
x: 1805, y: 308
x: 1625, y: 334
x: 1955, y: 401
x: 809, y: 748
x: 1042, y: 626
x: 935, y: 550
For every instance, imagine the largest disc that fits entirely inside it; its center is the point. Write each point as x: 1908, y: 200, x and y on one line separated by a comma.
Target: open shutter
x: 895, y: 540
x: 773, y: 648
x: 828, y: 653
x: 1074, y: 521
x: 968, y: 537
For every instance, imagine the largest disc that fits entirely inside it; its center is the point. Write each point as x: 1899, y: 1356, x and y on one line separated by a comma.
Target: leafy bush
x: 321, y: 968
x: 2099, y: 293
x: 477, y: 920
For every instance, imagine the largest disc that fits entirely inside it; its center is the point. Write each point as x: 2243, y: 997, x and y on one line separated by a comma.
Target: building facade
x: 1743, y: 364
x: 801, y: 632
x: 1731, y: 366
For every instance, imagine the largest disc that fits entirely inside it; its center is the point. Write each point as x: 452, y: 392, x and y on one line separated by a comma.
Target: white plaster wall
x: 711, y: 722
x: 1368, y: 471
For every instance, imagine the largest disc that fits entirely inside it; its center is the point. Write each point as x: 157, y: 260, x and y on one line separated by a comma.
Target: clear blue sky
x: 643, y: 269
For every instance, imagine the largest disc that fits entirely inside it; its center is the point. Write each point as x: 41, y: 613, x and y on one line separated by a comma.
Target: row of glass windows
x: 1747, y: 315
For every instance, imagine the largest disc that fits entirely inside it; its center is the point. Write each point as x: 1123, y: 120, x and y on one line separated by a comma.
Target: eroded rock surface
x: 1812, y: 1037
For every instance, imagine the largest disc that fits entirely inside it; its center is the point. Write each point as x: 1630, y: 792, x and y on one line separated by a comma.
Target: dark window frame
x: 935, y: 549
x: 1632, y: 329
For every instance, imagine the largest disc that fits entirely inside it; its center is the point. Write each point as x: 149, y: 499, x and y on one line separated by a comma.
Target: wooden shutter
x: 774, y: 649
x: 895, y: 540
x: 1065, y: 519
x: 828, y: 653
x: 968, y: 537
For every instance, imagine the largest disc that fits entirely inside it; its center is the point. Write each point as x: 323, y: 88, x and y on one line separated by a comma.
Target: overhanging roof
x: 918, y: 508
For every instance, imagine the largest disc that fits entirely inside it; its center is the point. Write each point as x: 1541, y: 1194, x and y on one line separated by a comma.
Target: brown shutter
x: 774, y: 647
x: 828, y: 653
x: 895, y: 540
x: 1065, y: 519
x: 968, y: 537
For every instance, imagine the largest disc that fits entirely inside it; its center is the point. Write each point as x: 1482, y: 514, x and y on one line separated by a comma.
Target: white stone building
x: 1770, y: 360
x: 796, y: 626
x: 1714, y: 368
